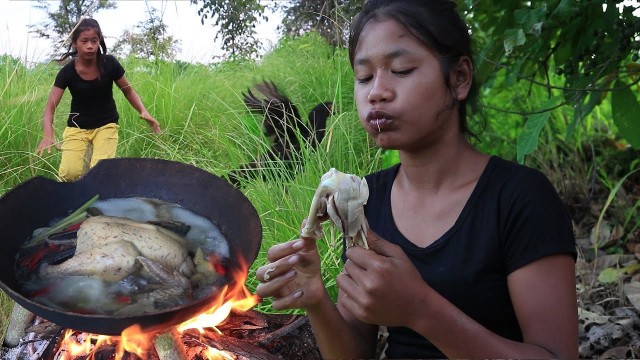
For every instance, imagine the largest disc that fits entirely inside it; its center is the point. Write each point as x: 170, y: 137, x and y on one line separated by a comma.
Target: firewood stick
x: 241, y: 348
x: 284, y: 331
x: 44, y: 329
x: 20, y: 320
x: 169, y: 346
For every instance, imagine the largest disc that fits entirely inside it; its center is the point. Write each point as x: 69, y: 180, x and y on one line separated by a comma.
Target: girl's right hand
x: 46, y: 144
x: 292, y: 277
x: 153, y: 123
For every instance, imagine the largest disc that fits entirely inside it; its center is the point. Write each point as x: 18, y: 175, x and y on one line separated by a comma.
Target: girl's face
x: 88, y: 43
x: 402, y: 100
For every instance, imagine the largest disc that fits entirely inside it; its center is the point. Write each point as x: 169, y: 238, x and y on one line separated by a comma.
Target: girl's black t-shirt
x: 513, y: 217
x: 92, y: 103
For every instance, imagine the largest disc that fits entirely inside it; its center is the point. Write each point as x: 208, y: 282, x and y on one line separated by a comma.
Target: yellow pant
x: 80, y: 146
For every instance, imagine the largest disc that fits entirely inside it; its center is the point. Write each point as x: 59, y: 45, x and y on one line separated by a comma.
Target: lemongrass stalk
x: 73, y: 218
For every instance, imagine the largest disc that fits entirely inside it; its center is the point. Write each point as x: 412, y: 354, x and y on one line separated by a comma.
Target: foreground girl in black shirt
x: 471, y: 256
x: 92, y: 125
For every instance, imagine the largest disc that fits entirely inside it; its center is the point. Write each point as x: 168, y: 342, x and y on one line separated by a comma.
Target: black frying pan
x: 35, y: 202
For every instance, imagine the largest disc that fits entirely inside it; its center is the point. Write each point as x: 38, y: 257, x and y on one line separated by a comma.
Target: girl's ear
x: 462, y: 76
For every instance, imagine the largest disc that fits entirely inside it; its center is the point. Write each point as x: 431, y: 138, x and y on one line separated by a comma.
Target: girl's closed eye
x: 404, y: 72
x: 363, y: 76
x: 364, y: 79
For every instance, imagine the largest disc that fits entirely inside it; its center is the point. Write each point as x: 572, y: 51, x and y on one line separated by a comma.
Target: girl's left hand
x: 153, y: 123
x: 380, y: 285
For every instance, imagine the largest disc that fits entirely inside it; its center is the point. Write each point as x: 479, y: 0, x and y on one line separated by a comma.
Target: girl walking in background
x: 470, y: 255
x: 92, y: 125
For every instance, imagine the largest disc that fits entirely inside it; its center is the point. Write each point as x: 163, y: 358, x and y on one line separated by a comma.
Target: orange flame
x: 239, y: 298
x: 134, y: 340
x: 215, y: 354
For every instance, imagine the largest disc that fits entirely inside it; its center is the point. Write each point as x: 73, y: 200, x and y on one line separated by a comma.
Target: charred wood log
x: 284, y: 331
x: 240, y: 348
x: 169, y: 346
x: 44, y: 329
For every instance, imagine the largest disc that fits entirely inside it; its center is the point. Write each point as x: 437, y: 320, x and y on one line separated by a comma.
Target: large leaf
x: 528, y: 139
x: 625, y: 110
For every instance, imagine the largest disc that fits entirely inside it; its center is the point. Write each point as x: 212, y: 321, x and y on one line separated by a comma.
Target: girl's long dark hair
x: 86, y: 24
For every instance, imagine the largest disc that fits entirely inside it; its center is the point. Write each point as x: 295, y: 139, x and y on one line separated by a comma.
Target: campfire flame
x: 136, y: 341
x: 215, y: 354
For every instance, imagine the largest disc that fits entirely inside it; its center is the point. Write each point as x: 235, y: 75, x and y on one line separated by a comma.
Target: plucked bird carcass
x: 341, y: 198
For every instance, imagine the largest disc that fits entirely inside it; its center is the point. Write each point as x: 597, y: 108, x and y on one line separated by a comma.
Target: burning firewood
x: 169, y: 346
x: 44, y: 329
x: 249, y: 335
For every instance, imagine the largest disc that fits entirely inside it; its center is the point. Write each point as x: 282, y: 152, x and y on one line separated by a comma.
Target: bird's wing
x: 281, y: 115
x: 270, y: 91
x: 265, y: 98
x: 252, y: 101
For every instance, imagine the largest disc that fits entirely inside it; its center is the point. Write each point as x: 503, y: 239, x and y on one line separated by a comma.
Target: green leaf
x: 531, y: 19
x: 625, y: 110
x: 75, y: 217
x: 528, y: 139
x: 513, y: 38
x: 609, y: 275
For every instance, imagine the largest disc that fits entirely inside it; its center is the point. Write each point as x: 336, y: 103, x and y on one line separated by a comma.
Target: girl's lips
x: 379, y: 120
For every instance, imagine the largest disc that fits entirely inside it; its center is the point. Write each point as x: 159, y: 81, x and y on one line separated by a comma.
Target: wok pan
x: 37, y: 201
